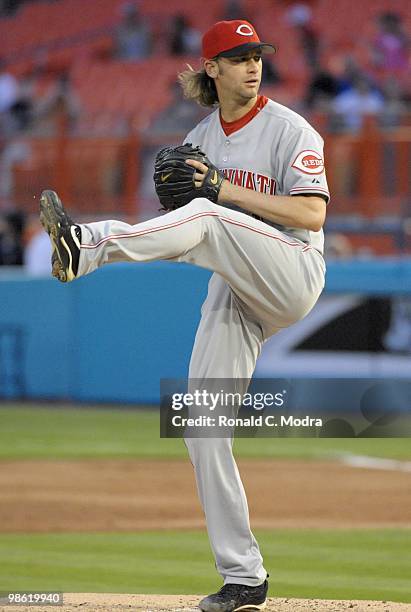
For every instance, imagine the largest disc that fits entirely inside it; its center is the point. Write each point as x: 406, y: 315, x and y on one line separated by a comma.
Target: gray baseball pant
x: 264, y: 280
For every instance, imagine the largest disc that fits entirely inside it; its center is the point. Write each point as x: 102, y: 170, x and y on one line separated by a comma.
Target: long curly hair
x: 198, y: 86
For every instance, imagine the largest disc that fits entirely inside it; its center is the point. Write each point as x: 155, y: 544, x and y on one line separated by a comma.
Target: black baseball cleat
x: 64, y: 234
x: 232, y: 597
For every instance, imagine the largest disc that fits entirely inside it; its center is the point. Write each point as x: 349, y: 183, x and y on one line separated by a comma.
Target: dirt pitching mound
x: 132, y: 495
x: 188, y: 603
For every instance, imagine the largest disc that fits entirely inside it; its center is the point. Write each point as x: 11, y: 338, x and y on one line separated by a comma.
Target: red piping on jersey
x: 230, y: 127
x: 312, y: 189
x: 192, y: 218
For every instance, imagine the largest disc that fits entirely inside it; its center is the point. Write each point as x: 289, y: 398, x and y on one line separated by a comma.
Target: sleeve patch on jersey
x: 309, y: 162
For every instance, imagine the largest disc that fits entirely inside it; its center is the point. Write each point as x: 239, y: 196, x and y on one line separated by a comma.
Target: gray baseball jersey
x: 264, y: 280
x: 276, y: 152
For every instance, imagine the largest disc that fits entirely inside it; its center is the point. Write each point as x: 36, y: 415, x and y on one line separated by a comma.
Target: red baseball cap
x: 231, y: 38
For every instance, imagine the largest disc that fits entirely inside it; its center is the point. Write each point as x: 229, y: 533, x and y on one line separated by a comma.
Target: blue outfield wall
x: 111, y: 336
x: 106, y: 337
x: 370, y: 276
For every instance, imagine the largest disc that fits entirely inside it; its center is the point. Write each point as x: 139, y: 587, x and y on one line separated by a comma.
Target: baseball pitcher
x: 245, y: 196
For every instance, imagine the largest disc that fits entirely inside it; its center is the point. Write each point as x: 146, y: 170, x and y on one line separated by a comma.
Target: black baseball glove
x: 174, y: 179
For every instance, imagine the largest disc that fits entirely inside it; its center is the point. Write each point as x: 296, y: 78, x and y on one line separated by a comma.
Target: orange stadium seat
x: 41, y: 23
x: 76, y: 33
x: 114, y: 86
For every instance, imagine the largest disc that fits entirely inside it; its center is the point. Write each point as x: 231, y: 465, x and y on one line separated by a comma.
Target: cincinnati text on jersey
x: 251, y: 180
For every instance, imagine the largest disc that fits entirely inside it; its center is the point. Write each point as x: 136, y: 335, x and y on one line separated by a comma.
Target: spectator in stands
x: 179, y: 116
x: 300, y: 17
x: 391, y: 47
x: 37, y: 253
x: 348, y: 73
x: 133, y: 36
x: 22, y: 109
x: 328, y: 82
x: 9, y: 91
x: 322, y: 89
x: 11, y: 244
x: 59, y: 109
x: 14, y: 151
x: 270, y: 75
x: 234, y: 9
x: 352, y: 105
x: 184, y: 40
x: 9, y: 7
x: 395, y: 106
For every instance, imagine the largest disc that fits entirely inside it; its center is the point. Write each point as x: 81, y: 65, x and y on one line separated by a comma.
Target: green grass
x: 60, y: 432
x: 342, y: 564
x: 347, y: 564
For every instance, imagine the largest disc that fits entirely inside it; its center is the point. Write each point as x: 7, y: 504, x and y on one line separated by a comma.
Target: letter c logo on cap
x: 244, y: 30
